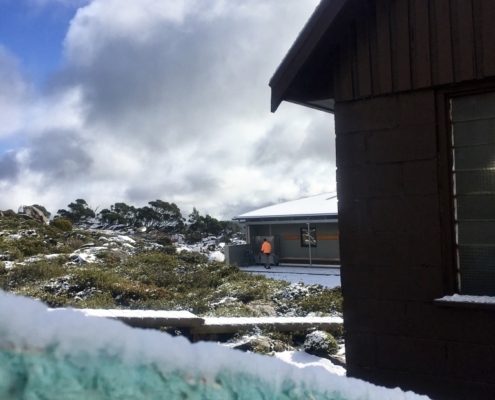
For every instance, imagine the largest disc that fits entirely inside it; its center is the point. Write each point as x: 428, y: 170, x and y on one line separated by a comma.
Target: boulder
x: 263, y: 345
x: 33, y: 213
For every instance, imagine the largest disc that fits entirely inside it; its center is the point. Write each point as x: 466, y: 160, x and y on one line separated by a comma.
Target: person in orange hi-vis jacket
x: 266, y: 249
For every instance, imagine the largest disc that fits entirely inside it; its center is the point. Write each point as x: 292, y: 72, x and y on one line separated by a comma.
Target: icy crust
x: 66, y: 355
x: 468, y: 299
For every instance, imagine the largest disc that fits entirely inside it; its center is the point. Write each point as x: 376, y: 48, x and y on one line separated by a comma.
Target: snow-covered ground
x: 301, y: 359
x: 326, y: 276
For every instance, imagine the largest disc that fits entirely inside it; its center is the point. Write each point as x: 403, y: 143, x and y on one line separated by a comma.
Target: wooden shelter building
x: 412, y: 86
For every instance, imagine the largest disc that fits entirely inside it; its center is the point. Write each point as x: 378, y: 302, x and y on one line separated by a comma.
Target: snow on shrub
x: 320, y: 343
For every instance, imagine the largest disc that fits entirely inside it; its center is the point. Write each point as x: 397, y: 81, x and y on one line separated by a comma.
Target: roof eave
x: 305, y: 44
x: 287, y: 218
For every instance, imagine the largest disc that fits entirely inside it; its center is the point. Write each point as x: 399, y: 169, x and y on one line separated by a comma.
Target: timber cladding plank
x: 384, y: 45
x: 346, y: 86
x: 488, y: 28
x: 375, y: 80
x: 463, y: 39
x: 478, y: 39
x: 442, y: 64
x: 363, y: 57
x: 403, y: 57
x: 353, y: 59
x: 420, y: 41
x: 336, y: 74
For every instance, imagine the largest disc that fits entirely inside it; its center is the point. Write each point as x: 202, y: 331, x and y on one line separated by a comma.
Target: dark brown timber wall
x: 390, y: 46
x: 394, y: 68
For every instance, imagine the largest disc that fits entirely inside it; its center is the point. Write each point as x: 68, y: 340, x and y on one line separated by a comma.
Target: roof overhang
x: 305, y: 75
x: 296, y: 219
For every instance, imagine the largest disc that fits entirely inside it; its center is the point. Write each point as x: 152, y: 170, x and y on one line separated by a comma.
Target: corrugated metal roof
x: 320, y: 205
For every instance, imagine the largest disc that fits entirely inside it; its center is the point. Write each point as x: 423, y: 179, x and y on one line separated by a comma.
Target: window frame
x: 304, y: 232
x: 443, y: 99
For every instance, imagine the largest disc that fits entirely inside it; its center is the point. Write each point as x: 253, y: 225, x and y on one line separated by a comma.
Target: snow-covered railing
x: 67, y: 355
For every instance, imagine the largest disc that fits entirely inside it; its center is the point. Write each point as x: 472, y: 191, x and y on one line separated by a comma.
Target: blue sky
x: 34, y: 34
x: 138, y: 100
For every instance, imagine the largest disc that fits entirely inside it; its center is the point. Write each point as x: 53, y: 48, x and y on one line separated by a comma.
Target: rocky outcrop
x: 33, y: 213
x: 263, y: 345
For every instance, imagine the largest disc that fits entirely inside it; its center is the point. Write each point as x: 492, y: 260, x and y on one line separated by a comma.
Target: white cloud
x: 14, y: 94
x: 170, y: 100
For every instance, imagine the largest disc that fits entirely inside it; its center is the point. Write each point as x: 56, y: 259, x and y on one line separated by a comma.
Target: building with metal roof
x: 303, y: 231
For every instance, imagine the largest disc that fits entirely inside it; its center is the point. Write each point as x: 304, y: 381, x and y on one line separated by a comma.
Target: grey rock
x: 33, y: 213
x: 263, y: 345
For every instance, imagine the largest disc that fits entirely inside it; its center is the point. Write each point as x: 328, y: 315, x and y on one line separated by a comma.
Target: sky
x: 137, y: 100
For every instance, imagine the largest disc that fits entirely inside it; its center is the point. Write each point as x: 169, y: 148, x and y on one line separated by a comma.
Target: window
x: 473, y: 146
x: 306, y: 239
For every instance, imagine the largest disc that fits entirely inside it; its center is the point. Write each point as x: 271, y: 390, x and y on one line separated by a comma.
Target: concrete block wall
x: 393, y: 264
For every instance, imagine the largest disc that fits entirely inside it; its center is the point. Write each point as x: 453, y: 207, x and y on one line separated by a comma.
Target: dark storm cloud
x: 59, y: 156
x: 9, y: 167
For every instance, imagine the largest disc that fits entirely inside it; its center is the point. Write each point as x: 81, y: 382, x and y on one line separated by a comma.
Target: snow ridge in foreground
x: 66, y: 355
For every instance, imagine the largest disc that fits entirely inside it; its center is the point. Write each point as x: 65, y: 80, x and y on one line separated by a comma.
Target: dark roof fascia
x: 328, y: 217
x: 306, y: 42
x: 309, y: 105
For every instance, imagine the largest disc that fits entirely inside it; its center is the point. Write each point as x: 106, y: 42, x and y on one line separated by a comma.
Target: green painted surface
x: 33, y: 375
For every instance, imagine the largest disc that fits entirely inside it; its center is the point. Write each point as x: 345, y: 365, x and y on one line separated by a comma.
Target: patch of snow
x: 301, y: 359
x: 123, y: 239
x: 84, y: 258
x: 216, y: 256
x: 457, y: 298
x: 8, y: 264
x: 327, y: 277
x: 183, y: 248
x: 225, y: 300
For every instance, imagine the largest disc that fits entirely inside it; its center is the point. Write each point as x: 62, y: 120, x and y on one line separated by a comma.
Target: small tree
x: 78, y: 211
x: 119, y: 213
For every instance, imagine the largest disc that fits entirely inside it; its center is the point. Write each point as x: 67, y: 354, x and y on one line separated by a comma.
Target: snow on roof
x: 320, y: 205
